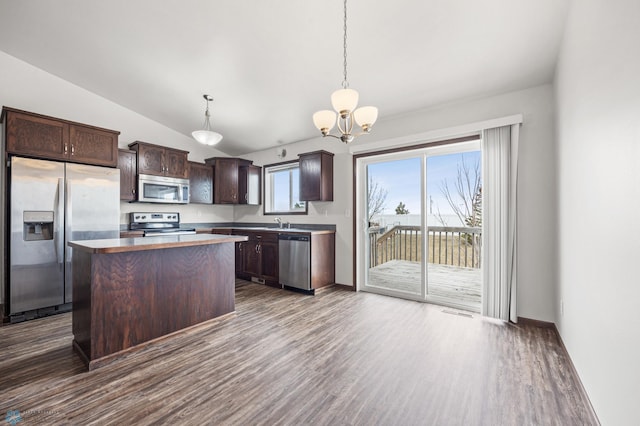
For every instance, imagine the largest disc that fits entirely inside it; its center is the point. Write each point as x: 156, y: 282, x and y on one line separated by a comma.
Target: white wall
x: 536, y: 186
x: 598, y: 102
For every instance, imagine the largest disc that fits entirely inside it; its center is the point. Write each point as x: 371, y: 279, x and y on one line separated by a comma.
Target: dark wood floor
x: 336, y: 358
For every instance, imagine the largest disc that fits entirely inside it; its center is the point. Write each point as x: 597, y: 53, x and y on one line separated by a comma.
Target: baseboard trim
x: 582, y: 390
x: 563, y: 348
x: 536, y: 323
x: 344, y: 287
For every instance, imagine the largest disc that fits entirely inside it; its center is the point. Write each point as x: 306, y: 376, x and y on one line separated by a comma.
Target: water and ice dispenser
x: 37, y: 225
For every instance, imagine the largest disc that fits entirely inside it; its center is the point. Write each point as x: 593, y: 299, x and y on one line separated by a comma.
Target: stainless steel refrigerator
x: 52, y: 203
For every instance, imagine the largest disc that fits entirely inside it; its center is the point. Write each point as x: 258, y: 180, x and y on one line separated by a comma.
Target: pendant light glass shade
x: 207, y: 136
x: 344, y: 100
x: 324, y: 120
x: 366, y: 116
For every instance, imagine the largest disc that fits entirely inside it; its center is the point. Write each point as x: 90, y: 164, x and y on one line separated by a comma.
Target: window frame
x: 268, y: 194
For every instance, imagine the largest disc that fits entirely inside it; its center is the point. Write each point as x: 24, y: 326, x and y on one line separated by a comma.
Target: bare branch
x: 376, y: 199
x: 466, y: 203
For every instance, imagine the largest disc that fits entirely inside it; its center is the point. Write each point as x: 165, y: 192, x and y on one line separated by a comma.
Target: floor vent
x: 462, y: 314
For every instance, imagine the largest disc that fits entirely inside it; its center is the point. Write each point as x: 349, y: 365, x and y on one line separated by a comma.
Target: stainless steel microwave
x: 160, y: 189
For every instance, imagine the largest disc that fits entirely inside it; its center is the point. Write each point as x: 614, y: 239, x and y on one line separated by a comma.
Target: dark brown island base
x: 130, y: 291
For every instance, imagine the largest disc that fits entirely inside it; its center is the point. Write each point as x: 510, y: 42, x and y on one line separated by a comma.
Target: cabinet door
x: 240, y: 248
x: 249, y: 187
x: 316, y: 176
x: 150, y: 160
x: 176, y: 164
x: 93, y: 146
x: 127, y: 166
x: 252, y: 258
x: 200, y: 183
x: 37, y: 136
x: 269, y: 261
x: 226, y: 181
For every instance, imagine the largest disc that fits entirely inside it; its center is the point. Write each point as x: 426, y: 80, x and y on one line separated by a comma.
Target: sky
x: 401, y: 178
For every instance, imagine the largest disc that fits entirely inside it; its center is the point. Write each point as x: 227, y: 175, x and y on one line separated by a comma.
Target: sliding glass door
x: 394, y: 200
x: 421, y: 224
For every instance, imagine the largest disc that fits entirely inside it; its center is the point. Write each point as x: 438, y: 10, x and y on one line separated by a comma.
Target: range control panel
x: 149, y: 217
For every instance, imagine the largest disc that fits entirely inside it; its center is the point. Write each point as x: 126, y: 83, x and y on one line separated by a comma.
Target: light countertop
x: 121, y: 245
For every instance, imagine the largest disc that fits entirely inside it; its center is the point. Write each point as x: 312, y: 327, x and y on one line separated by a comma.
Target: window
x: 282, y: 189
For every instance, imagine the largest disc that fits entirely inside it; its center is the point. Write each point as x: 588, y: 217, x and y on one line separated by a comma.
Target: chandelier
x: 344, y: 102
x: 207, y: 136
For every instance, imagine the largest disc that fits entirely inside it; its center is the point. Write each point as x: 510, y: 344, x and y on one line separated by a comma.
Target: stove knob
x: 144, y: 217
x: 137, y: 217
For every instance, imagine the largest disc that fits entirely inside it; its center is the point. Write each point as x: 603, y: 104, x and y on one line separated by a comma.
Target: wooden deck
x: 460, y: 286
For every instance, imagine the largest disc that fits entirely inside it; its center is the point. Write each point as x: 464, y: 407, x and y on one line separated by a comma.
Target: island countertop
x: 123, y: 245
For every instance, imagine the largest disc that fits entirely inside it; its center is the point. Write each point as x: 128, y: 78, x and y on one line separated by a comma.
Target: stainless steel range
x: 158, y: 224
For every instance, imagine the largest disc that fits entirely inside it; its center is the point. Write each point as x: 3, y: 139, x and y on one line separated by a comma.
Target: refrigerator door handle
x: 58, y: 232
x: 68, y: 226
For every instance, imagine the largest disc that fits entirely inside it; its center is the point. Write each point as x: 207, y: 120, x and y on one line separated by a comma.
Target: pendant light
x: 344, y: 102
x: 207, y: 136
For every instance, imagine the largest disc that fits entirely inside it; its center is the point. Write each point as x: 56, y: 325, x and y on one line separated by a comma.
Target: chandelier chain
x: 345, y: 83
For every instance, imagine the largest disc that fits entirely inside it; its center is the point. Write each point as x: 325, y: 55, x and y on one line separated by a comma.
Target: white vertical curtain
x: 500, y: 177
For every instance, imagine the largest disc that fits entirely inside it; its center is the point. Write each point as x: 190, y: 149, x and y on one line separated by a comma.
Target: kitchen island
x: 130, y: 291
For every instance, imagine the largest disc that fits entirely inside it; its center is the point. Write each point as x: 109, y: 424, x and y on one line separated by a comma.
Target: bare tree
x: 465, y: 198
x: 376, y: 199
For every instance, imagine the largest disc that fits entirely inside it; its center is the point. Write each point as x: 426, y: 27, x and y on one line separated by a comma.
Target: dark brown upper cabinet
x: 39, y: 136
x: 127, y: 166
x: 200, y: 183
x: 249, y: 184
x: 161, y: 161
x: 316, y: 176
x: 234, y: 181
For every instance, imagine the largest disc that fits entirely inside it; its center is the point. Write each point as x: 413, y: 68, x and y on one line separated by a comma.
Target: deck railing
x: 448, y: 245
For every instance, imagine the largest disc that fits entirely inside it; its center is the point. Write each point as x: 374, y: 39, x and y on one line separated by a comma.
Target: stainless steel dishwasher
x: 294, y: 264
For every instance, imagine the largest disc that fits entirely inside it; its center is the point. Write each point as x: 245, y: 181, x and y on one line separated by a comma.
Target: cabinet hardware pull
x: 73, y: 149
x: 66, y: 149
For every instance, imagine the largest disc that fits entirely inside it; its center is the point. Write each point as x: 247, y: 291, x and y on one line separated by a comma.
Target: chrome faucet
x: 277, y: 219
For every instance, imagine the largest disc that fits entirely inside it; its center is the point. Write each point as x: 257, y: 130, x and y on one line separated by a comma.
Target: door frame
x: 360, y: 242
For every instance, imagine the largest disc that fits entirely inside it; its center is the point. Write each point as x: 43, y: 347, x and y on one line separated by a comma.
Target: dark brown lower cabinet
x: 258, y: 257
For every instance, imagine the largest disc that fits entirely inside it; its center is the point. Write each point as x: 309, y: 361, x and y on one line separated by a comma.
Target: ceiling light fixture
x: 344, y: 101
x: 207, y: 136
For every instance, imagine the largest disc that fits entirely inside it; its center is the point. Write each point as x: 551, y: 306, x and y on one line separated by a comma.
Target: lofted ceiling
x: 271, y: 64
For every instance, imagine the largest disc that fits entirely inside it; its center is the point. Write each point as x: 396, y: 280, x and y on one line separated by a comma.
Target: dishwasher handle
x: 291, y: 237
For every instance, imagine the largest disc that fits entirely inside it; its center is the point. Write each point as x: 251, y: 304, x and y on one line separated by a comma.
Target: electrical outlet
x: 561, y: 308
x: 347, y: 213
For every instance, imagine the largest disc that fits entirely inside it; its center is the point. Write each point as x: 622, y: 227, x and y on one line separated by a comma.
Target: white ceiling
x: 271, y: 64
